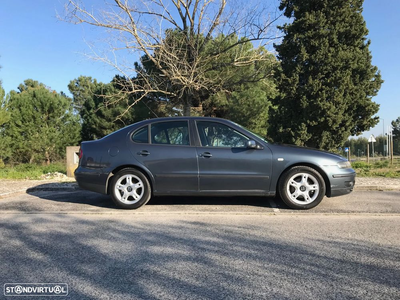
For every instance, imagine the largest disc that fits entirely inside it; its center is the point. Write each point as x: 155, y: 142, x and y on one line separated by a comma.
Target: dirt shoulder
x: 8, y: 187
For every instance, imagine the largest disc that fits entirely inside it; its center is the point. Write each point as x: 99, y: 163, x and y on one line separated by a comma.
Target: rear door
x: 227, y: 165
x: 165, y: 149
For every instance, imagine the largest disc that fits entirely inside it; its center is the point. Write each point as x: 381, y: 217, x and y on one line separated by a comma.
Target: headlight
x: 344, y: 164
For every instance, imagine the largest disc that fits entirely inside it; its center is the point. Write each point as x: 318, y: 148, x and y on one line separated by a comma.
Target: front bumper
x: 341, y: 184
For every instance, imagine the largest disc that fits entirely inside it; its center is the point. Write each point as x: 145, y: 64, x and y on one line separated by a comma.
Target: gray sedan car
x: 207, y: 157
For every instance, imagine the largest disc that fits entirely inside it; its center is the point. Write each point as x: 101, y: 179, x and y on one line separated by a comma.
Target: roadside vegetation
x: 31, y: 171
x: 381, y: 168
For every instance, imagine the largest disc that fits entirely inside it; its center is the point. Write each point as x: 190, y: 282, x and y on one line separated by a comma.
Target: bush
x: 55, y: 167
x: 381, y: 164
x: 25, y: 168
x: 361, y: 165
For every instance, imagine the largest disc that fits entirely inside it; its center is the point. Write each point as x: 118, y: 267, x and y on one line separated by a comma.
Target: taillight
x: 80, y: 153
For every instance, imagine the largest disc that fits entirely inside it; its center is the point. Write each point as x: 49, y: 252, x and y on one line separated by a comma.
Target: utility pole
x: 349, y: 155
x: 373, y: 152
x: 391, y: 145
x: 371, y: 140
x: 387, y: 143
x: 383, y: 129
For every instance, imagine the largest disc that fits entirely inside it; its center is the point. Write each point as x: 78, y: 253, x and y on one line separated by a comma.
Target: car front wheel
x: 129, y: 188
x: 302, y: 187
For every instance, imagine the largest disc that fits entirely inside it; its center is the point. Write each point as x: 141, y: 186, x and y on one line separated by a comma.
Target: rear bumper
x: 342, y: 184
x: 91, y: 179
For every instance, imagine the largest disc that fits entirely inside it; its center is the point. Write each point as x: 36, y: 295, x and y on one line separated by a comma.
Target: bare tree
x: 174, y: 37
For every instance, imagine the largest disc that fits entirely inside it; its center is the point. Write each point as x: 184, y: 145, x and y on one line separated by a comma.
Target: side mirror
x: 251, y: 144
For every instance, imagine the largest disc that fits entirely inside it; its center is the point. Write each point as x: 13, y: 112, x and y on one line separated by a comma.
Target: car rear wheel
x: 302, y: 187
x: 129, y: 188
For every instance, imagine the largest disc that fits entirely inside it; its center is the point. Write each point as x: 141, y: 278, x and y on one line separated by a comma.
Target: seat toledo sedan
x: 207, y: 157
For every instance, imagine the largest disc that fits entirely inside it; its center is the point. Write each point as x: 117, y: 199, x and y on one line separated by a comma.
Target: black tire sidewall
x: 147, y: 189
x: 293, y: 171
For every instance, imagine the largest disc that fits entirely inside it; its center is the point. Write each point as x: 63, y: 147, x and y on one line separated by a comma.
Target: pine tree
x: 396, y: 129
x: 5, y: 150
x: 396, y: 136
x: 103, y: 108
x: 41, y: 125
x: 326, y: 80
x: 4, y: 115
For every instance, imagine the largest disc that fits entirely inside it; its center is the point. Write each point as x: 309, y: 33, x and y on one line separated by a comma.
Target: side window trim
x: 200, y: 134
x: 194, y: 134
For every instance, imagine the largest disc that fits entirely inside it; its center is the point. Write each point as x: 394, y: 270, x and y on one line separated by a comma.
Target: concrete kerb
x: 377, y: 184
x: 377, y: 188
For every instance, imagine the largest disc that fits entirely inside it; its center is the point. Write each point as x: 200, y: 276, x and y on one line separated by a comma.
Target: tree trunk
x: 47, y: 158
x: 186, y: 110
x: 187, y: 105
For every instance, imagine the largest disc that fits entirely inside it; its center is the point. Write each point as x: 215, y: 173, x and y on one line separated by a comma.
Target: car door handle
x: 143, y: 152
x: 206, y: 154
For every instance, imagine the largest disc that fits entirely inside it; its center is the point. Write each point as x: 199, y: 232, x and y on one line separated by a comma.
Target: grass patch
x: 31, y: 171
x: 381, y: 168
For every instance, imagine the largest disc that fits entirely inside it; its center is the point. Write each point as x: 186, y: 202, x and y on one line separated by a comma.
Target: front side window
x: 170, y: 133
x: 219, y: 135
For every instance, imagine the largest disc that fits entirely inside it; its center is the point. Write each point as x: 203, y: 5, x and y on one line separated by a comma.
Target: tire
x: 301, y: 187
x: 130, y: 189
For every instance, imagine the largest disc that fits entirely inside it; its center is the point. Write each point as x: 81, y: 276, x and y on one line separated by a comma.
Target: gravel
x: 18, y: 186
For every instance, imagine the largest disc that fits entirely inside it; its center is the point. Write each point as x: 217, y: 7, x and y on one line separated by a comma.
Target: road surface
x: 203, y: 248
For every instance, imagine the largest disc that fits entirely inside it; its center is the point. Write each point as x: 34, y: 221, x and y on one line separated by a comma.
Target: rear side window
x: 170, y: 133
x: 141, y: 135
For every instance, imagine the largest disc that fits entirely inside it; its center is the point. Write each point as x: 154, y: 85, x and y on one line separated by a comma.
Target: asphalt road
x: 203, y: 248
x: 79, y: 201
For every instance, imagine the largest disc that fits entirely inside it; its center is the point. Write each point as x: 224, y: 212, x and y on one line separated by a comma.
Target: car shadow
x: 267, y: 202
x: 71, y: 193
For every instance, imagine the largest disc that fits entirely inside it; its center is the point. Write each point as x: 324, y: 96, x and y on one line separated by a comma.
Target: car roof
x: 182, y: 119
x: 189, y: 117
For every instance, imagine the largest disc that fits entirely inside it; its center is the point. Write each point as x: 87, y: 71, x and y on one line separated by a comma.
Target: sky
x: 35, y: 44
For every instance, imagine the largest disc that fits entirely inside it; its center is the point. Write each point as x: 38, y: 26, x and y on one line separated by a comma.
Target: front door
x: 227, y: 165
